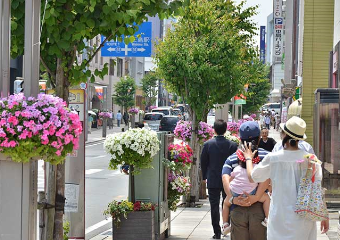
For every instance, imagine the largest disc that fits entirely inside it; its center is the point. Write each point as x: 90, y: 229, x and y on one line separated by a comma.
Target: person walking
x: 267, y: 143
x: 267, y: 120
x: 214, y: 153
x: 119, y: 118
x: 303, y: 145
x: 110, y: 120
x: 285, y: 170
x: 126, y: 118
x: 247, y: 213
x: 89, y: 123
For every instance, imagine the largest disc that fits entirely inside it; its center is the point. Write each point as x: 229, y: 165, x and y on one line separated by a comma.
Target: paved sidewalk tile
x: 195, y: 224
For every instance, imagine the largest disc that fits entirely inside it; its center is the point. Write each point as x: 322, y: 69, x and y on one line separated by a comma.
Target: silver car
x: 153, y: 120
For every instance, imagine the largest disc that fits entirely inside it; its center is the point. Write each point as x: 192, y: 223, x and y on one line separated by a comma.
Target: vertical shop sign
x: 262, y: 44
x: 278, y: 28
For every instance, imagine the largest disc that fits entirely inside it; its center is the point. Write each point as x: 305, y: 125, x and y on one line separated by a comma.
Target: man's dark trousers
x: 214, y: 199
x: 214, y: 154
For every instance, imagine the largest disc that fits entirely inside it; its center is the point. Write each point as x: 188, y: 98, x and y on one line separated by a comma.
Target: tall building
x: 318, y: 27
x: 275, y: 45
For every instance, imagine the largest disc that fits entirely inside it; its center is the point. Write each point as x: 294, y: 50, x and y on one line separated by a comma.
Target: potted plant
x: 183, y: 131
x: 177, y: 186
x: 133, y: 111
x: 179, y: 157
x: 41, y: 128
x: 132, y: 220
x: 104, y: 116
x: 135, y: 147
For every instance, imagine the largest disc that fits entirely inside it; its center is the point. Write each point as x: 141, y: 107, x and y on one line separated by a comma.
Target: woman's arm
x: 262, y: 171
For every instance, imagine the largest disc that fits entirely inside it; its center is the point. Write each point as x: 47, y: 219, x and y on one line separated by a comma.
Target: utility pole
x: 5, y: 30
x: 31, y: 88
x: 18, y: 189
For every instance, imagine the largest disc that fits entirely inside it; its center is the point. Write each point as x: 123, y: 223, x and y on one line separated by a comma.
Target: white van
x: 270, y: 106
x: 167, y: 111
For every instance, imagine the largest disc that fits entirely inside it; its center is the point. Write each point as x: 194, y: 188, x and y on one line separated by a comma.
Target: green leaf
x: 132, y: 13
x: 106, y: 9
x: 91, y: 23
x: 14, y: 25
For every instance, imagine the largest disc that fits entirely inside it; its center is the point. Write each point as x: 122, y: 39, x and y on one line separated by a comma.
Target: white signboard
x: 72, y: 197
x: 278, y: 28
x: 79, y: 108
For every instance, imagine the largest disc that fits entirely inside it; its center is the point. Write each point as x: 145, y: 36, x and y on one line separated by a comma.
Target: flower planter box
x: 137, y: 226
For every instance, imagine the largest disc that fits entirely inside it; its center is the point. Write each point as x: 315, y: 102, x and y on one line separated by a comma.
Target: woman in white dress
x: 285, y: 173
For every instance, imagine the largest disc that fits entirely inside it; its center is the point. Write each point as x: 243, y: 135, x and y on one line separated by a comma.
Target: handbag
x: 310, y: 203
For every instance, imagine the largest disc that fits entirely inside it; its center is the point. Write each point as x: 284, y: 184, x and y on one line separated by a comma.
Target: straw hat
x: 295, y: 127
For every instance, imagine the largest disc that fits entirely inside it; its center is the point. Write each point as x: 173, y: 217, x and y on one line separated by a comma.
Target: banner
x: 99, y: 92
x: 278, y: 28
x: 241, y: 99
x: 263, y: 44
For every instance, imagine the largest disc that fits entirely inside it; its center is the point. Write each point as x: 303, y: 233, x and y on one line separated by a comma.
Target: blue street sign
x: 141, y: 47
x: 263, y: 44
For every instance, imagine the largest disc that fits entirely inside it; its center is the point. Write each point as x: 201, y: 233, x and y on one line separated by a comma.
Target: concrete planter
x: 18, y: 198
x: 137, y: 226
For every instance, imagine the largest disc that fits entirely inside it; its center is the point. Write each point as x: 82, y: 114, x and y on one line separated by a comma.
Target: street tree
x: 66, y: 26
x: 203, y: 60
x: 258, y: 87
x: 125, y: 91
x: 150, y: 88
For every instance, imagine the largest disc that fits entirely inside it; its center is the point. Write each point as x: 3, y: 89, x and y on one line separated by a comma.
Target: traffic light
x: 18, y: 86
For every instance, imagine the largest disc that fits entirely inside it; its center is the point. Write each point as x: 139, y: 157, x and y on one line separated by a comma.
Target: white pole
x: 5, y: 55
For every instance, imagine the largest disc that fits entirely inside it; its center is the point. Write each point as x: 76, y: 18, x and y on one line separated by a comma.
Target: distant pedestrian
x: 119, y: 118
x: 126, y: 118
x: 89, y: 123
x: 267, y: 143
x: 267, y: 120
x: 214, y: 153
x: 262, y: 116
x: 110, y: 120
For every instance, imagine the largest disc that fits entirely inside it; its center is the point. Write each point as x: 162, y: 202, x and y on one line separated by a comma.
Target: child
x: 240, y: 184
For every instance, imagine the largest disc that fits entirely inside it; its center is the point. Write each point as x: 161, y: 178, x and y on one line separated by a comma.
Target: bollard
x: 104, y: 127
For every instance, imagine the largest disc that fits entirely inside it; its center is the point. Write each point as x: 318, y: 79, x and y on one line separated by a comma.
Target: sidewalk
x: 96, y: 133
x: 195, y: 224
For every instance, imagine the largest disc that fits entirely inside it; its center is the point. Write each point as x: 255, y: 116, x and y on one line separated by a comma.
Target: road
x: 101, y: 186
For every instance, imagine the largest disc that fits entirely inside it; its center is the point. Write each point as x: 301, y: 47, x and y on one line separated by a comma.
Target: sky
x: 265, y: 8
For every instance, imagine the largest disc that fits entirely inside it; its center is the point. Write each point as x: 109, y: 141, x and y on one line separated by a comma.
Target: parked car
x: 153, y: 120
x: 168, y: 123
x: 167, y: 111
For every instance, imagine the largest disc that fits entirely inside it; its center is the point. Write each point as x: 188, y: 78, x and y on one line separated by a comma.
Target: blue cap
x: 249, y: 130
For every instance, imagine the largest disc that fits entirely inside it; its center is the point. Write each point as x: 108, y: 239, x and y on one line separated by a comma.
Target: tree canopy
x: 67, y: 24
x: 258, y: 87
x: 125, y: 90
x: 150, y: 88
x: 206, y: 57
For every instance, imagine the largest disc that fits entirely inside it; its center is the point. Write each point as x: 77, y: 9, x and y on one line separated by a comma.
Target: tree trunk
x: 194, y: 176
x: 62, y: 91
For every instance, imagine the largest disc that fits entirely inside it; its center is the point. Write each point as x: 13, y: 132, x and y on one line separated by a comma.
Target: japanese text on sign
x: 278, y: 28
